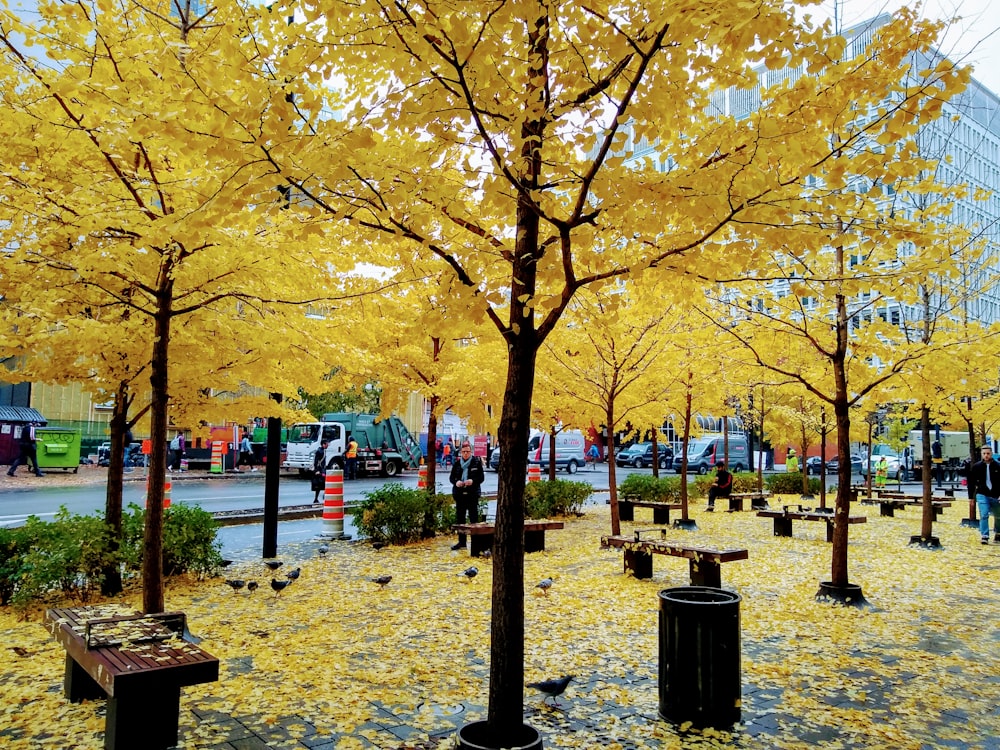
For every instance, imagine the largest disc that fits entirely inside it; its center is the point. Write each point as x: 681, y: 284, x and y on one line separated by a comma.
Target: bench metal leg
x: 661, y: 516
x: 626, y: 511
x: 887, y: 510
x: 479, y: 543
x: 782, y: 526
x: 143, y: 719
x: 639, y: 563
x: 534, y: 541
x: 705, y: 573
x: 735, y: 504
x: 829, y: 530
x: 78, y: 685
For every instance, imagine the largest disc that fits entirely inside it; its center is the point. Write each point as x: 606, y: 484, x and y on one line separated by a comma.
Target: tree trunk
x: 927, y: 518
x: 432, y: 433
x: 656, y: 453
x: 684, y: 449
x: 152, y: 551
x: 111, y: 579
x: 551, y: 469
x: 609, y: 416
x: 842, y: 416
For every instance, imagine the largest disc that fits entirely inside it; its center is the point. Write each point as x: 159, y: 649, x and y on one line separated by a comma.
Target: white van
x: 570, y: 447
x: 704, y: 452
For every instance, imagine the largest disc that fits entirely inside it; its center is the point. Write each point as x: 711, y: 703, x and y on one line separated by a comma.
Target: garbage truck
x: 953, y: 449
x: 385, y: 446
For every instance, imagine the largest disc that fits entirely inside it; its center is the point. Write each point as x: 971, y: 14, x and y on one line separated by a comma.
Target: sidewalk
x: 335, y: 662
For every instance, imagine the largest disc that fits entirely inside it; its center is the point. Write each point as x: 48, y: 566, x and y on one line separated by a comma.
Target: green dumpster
x: 58, y: 447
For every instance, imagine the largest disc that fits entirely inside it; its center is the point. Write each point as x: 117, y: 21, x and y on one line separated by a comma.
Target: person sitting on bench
x: 722, y: 487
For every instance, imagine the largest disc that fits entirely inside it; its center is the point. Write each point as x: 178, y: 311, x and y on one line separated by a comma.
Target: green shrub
x: 648, y: 488
x: 397, y: 515
x: 69, y: 554
x: 791, y: 484
x: 552, y: 499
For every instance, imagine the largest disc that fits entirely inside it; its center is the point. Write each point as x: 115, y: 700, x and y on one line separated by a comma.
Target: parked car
x: 834, y: 464
x: 704, y: 452
x: 814, y: 464
x: 640, y: 455
x: 569, y: 450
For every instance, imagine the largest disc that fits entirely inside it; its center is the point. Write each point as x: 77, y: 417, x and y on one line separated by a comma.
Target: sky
x: 974, y: 40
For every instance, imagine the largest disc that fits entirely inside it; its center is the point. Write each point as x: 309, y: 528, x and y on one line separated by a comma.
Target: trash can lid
x: 700, y: 595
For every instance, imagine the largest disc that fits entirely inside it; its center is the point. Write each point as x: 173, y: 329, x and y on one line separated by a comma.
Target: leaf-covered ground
x: 335, y: 661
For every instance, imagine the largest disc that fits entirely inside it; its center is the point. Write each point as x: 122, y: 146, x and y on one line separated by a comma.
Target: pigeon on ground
x: 486, y: 554
x: 552, y: 688
x: 323, y: 549
x: 273, y: 564
x: 470, y: 573
x: 545, y: 584
x: 225, y: 563
x: 293, y: 575
x: 235, y: 583
x: 279, y: 586
x: 252, y: 586
x: 382, y: 581
x: 379, y: 545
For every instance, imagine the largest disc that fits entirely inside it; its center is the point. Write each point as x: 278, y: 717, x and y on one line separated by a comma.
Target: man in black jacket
x: 723, y: 485
x: 984, y: 484
x: 467, y: 476
x: 29, y: 451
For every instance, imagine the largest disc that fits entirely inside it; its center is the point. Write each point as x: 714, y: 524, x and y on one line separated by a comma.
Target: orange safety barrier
x: 534, y: 473
x: 333, y: 503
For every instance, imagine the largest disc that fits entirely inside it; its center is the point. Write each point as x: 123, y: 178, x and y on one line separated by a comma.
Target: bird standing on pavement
x: 470, y: 573
x: 382, y: 581
x: 552, y: 688
x: 273, y: 564
x: 323, y: 549
x: 293, y: 575
x: 235, y: 584
x: 545, y: 584
x: 252, y: 586
x: 279, y: 586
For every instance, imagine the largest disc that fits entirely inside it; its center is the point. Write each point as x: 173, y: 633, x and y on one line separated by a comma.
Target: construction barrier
x: 333, y: 504
x: 167, y: 487
x: 216, y: 465
x: 534, y: 473
x: 422, y: 477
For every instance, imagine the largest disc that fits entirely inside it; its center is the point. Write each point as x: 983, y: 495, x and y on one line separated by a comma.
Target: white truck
x: 954, y: 450
x: 385, y: 446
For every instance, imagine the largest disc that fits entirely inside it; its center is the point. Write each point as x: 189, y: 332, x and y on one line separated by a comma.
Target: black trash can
x: 700, y: 656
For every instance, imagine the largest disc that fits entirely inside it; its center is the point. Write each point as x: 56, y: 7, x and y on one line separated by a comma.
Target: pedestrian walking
x: 593, y: 455
x: 28, y: 446
x: 177, y: 446
x: 467, y: 477
x: 984, y: 484
x: 319, y: 470
x: 246, y: 454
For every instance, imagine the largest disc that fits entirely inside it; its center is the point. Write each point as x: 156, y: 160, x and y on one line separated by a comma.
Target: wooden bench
x: 661, y: 510
x: 758, y: 500
x: 140, y: 662
x: 783, y: 519
x: 889, y: 501
x: 705, y: 564
x: 481, y: 534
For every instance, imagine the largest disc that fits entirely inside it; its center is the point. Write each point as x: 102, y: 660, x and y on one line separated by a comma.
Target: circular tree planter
x: 477, y: 736
x: 850, y: 595
x: 931, y: 542
x: 686, y: 524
